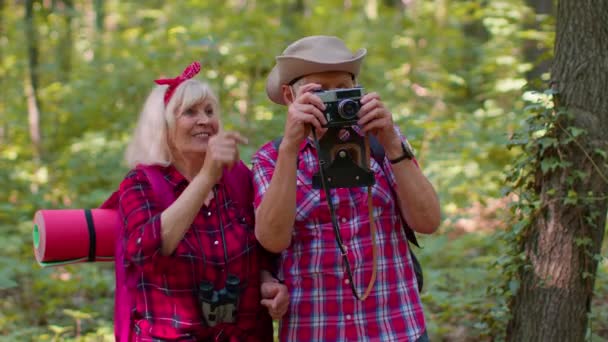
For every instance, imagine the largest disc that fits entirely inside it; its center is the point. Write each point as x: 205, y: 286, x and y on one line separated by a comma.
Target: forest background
x: 459, y: 76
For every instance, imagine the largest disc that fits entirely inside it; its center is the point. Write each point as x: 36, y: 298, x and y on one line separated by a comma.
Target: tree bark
x: 31, y: 85
x: 533, y: 51
x: 3, y: 128
x: 100, y: 15
x: 554, y: 299
x: 291, y: 11
x: 65, y: 46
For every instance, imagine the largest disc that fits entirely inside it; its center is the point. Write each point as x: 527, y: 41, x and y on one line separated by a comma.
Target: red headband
x: 173, y: 83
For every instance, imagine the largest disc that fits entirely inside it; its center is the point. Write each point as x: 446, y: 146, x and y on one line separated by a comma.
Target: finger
x: 369, y: 106
x: 375, y: 114
x: 236, y: 136
x: 369, y: 97
x: 225, y: 159
x: 224, y: 152
x: 311, y: 110
x: 308, y: 119
x: 376, y: 125
x: 320, y: 132
x: 267, y: 303
x: 307, y: 88
x: 311, y: 98
x: 269, y: 290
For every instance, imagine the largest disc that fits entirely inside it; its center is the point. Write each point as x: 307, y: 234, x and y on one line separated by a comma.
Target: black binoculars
x: 220, y: 306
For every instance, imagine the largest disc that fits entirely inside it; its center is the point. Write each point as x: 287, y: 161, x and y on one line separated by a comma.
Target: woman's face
x: 194, y: 127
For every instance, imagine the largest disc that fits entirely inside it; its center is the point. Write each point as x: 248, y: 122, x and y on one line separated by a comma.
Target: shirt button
x: 208, y: 213
x: 343, y: 220
x: 216, y: 242
x: 346, y: 281
x: 138, y: 241
x: 348, y: 317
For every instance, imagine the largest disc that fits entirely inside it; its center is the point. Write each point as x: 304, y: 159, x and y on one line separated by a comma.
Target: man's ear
x: 287, y: 94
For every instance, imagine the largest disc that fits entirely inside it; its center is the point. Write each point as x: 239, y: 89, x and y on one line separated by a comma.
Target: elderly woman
x: 193, y: 268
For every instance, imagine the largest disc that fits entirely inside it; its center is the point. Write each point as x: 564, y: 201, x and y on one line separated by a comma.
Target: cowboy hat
x: 311, y: 55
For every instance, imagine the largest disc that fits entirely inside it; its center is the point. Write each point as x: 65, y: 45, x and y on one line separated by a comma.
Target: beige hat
x: 310, y: 55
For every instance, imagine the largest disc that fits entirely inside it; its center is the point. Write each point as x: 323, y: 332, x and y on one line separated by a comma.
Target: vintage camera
x: 343, y: 155
x: 220, y: 306
x: 341, y: 106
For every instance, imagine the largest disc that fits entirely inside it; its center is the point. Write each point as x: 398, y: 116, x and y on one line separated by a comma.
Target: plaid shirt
x: 166, y: 297
x: 322, y: 306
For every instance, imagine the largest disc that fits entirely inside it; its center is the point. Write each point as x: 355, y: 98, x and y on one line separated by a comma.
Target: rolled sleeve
x: 140, y: 214
x: 264, y: 162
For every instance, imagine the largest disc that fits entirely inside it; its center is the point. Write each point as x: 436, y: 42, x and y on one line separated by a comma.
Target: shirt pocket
x: 238, y: 240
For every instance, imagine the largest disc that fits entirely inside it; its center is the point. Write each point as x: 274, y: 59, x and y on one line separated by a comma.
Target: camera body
x: 343, y: 155
x: 341, y: 106
x: 220, y: 306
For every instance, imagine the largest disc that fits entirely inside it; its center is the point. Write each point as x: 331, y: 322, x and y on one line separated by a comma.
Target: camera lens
x: 348, y: 109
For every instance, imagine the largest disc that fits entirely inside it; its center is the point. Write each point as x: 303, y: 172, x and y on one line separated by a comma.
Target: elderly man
x: 293, y: 218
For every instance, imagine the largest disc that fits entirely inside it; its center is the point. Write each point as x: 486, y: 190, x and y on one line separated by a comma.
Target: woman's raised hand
x: 222, y: 151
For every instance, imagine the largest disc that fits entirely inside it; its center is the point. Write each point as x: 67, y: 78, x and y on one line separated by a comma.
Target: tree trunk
x: 3, y: 128
x: 100, y: 15
x: 564, y: 243
x: 31, y: 85
x: 291, y: 13
x: 533, y: 50
x: 65, y: 46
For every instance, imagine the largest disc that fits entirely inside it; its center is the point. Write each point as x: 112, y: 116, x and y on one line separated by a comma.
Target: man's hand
x: 305, y: 110
x: 275, y: 297
x: 374, y: 118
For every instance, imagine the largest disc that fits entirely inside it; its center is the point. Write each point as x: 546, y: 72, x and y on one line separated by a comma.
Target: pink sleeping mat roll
x: 67, y: 236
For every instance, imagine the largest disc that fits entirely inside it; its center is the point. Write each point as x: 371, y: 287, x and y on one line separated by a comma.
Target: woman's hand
x: 222, y: 151
x: 275, y: 297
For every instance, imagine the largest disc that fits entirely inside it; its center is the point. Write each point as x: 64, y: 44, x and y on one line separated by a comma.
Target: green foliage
x: 548, y: 131
x: 450, y: 71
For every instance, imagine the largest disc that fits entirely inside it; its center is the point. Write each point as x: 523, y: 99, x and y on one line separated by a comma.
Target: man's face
x: 328, y: 80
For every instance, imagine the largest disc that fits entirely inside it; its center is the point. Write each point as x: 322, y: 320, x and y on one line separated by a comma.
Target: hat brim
x: 288, y: 68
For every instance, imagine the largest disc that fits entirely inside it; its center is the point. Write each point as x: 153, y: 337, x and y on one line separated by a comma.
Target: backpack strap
x: 239, y: 185
x: 160, y: 188
x: 277, y: 142
x: 378, y: 154
x: 123, y: 300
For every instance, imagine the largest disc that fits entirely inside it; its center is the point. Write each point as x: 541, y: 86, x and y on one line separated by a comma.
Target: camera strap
x: 336, y: 227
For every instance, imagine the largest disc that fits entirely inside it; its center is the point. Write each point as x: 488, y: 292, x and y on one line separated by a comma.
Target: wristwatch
x: 408, y: 153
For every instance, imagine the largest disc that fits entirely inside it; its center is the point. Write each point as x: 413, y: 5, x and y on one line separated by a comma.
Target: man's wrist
x: 395, y: 150
x: 407, y: 153
x: 289, y: 147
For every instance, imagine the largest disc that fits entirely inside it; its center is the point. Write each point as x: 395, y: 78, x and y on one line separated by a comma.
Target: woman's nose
x: 202, y: 119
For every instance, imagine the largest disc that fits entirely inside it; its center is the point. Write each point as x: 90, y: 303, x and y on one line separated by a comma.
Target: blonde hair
x: 150, y: 142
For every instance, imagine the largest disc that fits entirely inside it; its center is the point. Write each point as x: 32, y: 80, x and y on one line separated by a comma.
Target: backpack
x: 238, y: 182
x: 377, y: 152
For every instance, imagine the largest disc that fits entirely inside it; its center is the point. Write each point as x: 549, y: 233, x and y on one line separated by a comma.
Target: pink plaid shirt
x: 322, y: 306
